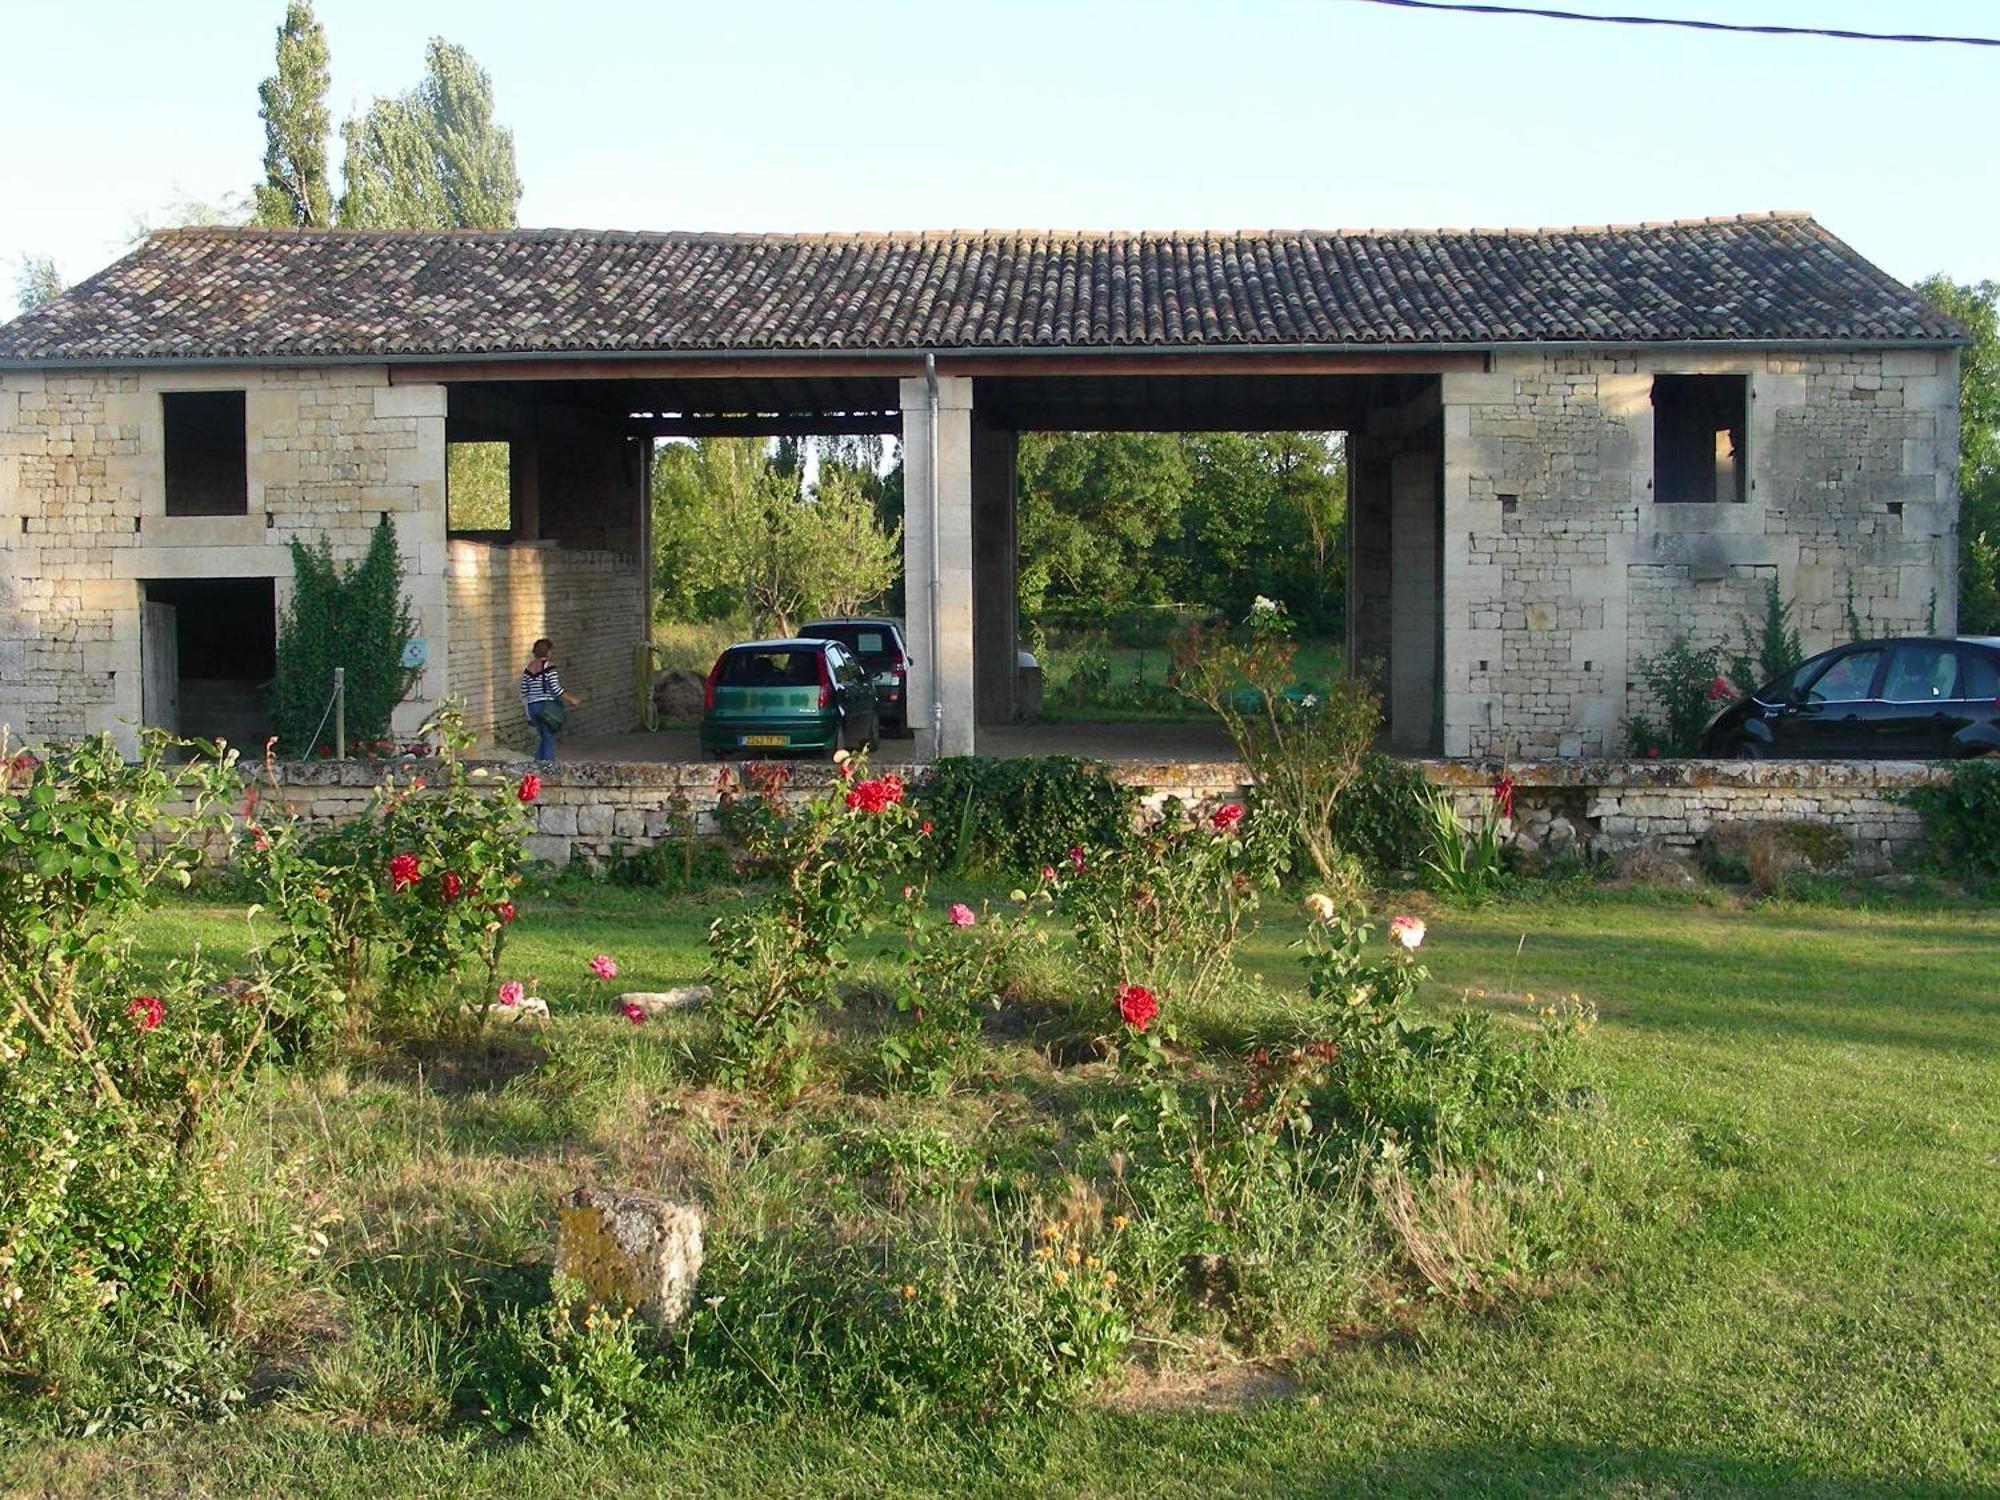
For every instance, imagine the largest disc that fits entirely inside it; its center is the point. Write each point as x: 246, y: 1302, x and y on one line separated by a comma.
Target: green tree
x: 295, y: 192
x: 1977, y: 306
x: 432, y: 158
x: 354, y: 617
x: 1094, y: 507
x: 735, y: 534
x: 36, y: 280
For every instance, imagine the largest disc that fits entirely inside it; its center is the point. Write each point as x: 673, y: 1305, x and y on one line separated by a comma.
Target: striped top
x: 540, y: 687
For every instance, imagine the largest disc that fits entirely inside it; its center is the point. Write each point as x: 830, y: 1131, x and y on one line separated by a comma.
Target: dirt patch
x: 1226, y: 1388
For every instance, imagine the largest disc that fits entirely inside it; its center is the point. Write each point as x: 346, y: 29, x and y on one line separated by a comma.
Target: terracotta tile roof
x: 256, y: 294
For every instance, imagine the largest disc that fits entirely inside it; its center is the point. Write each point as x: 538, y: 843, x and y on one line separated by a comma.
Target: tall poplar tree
x: 432, y: 158
x: 296, y: 192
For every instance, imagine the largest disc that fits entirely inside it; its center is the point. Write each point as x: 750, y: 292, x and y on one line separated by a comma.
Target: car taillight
x: 708, y: 686
x: 825, y: 685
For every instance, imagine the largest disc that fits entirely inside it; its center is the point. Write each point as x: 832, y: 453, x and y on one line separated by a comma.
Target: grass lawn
x: 1089, y: 679
x: 1807, y: 1301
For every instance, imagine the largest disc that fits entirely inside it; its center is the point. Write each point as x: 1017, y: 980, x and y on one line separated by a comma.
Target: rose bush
x: 834, y: 860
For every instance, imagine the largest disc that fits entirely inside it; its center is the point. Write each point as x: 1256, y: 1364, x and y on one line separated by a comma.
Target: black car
x: 878, y: 644
x: 1916, y: 698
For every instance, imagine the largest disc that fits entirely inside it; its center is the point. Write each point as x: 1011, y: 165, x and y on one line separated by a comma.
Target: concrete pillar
x: 1368, y: 569
x: 942, y: 672
x: 995, y: 601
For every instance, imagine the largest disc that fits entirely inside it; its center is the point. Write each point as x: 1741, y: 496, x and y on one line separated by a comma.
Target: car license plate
x: 763, y: 739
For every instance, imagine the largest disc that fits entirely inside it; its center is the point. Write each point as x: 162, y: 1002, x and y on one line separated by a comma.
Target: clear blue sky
x: 1286, y: 113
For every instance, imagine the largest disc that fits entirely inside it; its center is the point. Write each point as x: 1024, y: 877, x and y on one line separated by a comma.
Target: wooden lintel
x: 845, y: 424
x: 1214, y: 362
x: 722, y: 367
x: 837, y: 365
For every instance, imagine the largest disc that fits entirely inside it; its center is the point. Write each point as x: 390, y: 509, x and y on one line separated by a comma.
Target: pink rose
x: 961, y: 914
x: 604, y: 966
x: 511, y: 992
x: 633, y: 1011
x: 1407, y: 931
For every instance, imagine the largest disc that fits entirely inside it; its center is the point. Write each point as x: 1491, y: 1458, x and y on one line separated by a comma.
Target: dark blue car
x: 1916, y: 698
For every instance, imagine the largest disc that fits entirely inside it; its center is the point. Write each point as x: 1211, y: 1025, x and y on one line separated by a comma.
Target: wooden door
x: 159, y: 667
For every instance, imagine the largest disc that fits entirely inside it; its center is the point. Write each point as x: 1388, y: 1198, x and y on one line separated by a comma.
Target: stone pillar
x: 995, y: 601
x: 1471, y: 646
x: 417, y: 474
x: 942, y: 672
x: 1368, y: 560
x: 1414, y: 599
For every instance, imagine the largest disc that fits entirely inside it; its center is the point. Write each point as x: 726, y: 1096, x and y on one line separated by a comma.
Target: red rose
x: 925, y: 826
x: 531, y: 787
x: 1137, y: 1005
x: 146, y: 1012
x: 506, y: 911
x: 1076, y: 858
x: 1227, y: 816
x: 1503, y: 793
x: 451, y: 885
x: 403, y: 872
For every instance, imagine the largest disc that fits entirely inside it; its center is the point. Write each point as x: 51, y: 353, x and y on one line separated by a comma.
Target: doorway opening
x: 208, y: 652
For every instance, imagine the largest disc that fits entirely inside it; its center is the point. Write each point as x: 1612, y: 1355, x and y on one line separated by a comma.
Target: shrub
x: 1680, y: 678
x: 1962, y: 819
x: 1303, y: 749
x: 1771, y: 646
x: 425, y: 880
x: 1014, y: 816
x: 355, y: 618
x: 109, y: 1199
x: 1169, y: 912
x: 834, y: 860
x: 1382, y: 816
x: 952, y: 970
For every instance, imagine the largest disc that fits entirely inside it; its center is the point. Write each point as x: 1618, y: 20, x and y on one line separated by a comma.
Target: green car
x: 778, y: 697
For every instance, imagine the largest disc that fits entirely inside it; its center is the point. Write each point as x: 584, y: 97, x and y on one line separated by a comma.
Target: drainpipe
x: 937, y: 679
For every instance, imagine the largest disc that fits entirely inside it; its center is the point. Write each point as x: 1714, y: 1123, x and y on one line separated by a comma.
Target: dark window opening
x: 1698, y: 449
x: 478, y: 488
x: 209, y: 650
x: 206, y: 470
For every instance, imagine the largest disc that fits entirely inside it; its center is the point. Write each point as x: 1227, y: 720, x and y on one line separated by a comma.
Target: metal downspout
x: 937, y: 570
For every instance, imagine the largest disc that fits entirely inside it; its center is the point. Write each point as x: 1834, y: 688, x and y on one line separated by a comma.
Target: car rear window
x: 870, y: 645
x: 1978, y: 675
x: 1919, y: 674
x: 769, y: 669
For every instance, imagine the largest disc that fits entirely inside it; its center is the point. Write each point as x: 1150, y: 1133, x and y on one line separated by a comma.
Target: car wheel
x: 1748, y: 749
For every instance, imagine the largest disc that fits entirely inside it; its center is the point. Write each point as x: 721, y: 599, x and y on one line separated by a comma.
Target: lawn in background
x: 1809, y: 1304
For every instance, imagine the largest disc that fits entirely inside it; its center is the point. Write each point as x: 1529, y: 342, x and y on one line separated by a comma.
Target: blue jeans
x: 545, y: 746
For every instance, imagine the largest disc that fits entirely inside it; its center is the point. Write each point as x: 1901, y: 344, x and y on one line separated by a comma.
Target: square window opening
x: 207, y: 471
x: 1699, y: 455
x: 478, y: 488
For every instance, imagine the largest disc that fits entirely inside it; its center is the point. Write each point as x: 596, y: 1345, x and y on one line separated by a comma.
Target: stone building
x: 1568, y: 446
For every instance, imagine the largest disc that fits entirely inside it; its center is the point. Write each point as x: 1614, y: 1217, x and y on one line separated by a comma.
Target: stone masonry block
x: 630, y: 1250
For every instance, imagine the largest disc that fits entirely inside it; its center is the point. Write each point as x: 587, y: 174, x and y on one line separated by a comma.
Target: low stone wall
x: 593, y: 812
x: 1602, y: 807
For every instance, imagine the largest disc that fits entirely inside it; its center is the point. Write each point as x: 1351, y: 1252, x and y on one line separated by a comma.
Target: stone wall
x: 1602, y: 807
x: 83, y: 519
x: 592, y: 604
x: 595, y: 812
x: 1562, y: 571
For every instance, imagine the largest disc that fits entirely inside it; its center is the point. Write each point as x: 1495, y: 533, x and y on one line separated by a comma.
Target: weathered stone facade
x: 1562, y: 570
x: 328, y: 450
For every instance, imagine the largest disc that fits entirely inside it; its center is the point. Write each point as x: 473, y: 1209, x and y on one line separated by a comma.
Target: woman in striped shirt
x: 541, y: 685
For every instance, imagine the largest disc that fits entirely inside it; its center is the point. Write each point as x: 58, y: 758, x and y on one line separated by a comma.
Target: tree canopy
x: 36, y: 280
x: 1977, y: 306
x: 738, y: 531
x: 433, y: 158
x: 295, y: 192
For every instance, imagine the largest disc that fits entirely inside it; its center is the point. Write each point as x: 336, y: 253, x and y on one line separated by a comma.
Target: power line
x: 1464, y: 7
